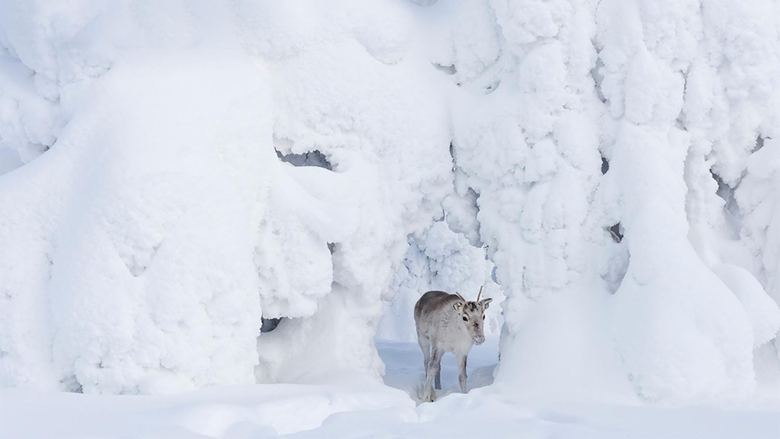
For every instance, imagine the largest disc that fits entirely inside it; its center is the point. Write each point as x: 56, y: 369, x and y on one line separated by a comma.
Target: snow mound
x: 140, y: 269
x: 158, y: 216
x: 763, y: 312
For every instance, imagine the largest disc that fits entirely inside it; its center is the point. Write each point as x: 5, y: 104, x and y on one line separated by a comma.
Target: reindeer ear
x: 457, y: 306
x: 485, y: 303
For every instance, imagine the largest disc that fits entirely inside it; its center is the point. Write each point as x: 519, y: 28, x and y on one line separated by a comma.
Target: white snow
x: 172, y: 173
x: 161, y: 226
x: 356, y: 407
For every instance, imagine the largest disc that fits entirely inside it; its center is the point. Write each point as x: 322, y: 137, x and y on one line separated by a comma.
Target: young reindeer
x: 447, y: 323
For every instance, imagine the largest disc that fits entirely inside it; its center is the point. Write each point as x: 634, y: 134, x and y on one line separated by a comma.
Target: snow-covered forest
x: 176, y: 175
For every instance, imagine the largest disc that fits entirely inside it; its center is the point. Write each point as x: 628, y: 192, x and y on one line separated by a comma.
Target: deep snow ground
x: 355, y: 407
x: 404, y: 368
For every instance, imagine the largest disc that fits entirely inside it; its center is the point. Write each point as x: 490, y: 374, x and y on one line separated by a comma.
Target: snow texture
x: 355, y: 407
x: 141, y: 250
x: 171, y: 173
x: 614, y: 153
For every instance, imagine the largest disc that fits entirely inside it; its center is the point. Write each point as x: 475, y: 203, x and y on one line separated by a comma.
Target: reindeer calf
x: 447, y: 323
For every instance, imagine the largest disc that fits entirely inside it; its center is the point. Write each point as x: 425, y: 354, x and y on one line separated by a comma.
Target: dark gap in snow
x: 731, y: 207
x: 71, y: 384
x: 725, y: 192
x: 759, y: 144
x: 331, y: 247
x: 312, y: 158
x: 474, y: 236
x: 604, y: 165
x: 616, y: 232
x: 269, y: 324
x: 450, y: 69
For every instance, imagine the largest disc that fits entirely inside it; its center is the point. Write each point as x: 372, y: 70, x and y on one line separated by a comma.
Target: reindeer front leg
x: 425, y: 347
x: 438, y: 374
x: 462, y: 374
x: 434, y: 365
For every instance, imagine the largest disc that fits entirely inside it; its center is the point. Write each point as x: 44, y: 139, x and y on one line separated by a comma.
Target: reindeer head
x: 472, y: 313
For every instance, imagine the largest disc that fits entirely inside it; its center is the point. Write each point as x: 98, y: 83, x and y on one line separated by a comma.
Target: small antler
x: 461, y: 297
x: 480, y: 293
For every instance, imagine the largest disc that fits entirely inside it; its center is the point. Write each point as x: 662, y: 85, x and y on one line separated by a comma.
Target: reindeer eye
x: 483, y: 316
x: 465, y: 319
